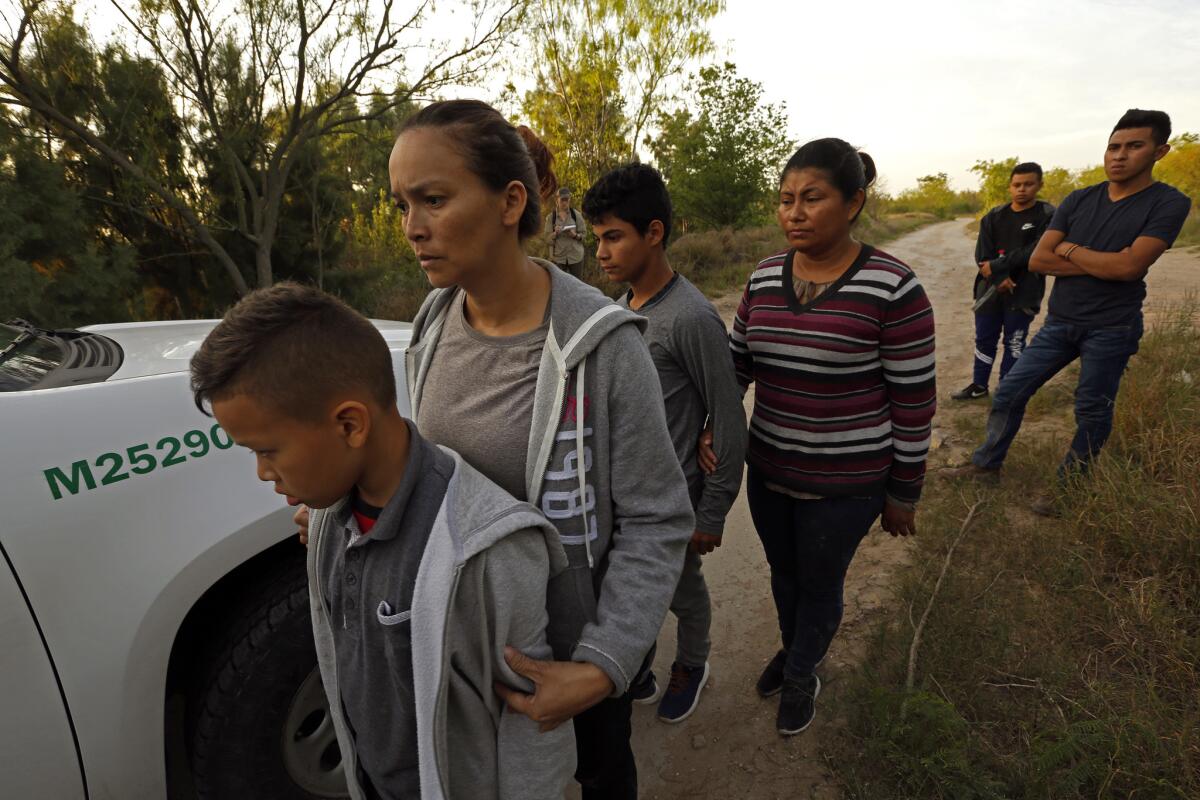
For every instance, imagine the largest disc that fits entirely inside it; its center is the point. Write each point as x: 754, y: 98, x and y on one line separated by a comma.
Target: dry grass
x: 716, y: 261
x: 721, y: 261
x: 1059, y: 660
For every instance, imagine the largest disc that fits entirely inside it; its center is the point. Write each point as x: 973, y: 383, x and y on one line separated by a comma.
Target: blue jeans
x: 988, y: 327
x: 1103, y: 354
x: 809, y: 545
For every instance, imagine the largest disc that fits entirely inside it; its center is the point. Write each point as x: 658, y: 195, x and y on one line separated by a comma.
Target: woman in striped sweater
x: 838, y: 339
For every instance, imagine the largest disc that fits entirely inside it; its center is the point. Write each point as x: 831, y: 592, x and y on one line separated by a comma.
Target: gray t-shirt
x: 478, y: 396
x: 688, y: 343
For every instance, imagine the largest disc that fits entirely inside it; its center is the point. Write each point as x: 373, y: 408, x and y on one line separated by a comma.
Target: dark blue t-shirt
x: 1090, y: 219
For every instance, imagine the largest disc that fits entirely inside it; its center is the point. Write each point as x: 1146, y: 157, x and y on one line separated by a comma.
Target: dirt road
x: 729, y: 747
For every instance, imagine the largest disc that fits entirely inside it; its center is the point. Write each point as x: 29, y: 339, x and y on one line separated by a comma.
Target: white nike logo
x: 1027, y: 226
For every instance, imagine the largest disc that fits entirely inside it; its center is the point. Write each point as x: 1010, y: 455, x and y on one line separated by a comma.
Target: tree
x: 53, y: 270
x: 994, y: 178
x: 254, y: 83
x: 722, y: 162
x: 378, y: 273
x: 581, y: 118
x: 600, y: 70
x: 933, y: 195
x: 1181, y: 166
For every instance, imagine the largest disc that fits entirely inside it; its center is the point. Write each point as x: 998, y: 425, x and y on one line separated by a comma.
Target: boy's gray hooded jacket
x: 605, y: 466
x: 481, y: 585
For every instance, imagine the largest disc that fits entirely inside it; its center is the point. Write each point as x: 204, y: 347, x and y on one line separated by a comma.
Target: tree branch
x: 919, y: 630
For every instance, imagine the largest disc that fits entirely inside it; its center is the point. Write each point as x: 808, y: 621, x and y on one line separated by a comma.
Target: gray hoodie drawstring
x: 580, y: 468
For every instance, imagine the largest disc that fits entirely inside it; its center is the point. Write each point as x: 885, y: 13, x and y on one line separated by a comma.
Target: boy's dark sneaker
x: 771, y: 680
x: 973, y: 391
x: 797, y: 705
x: 645, y: 691
x: 683, y: 692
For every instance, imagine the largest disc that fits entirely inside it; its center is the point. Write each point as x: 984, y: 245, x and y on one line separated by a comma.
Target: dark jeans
x: 809, y: 546
x: 988, y: 328
x: 1102, y: 353
x: 575, y: 269
x: 605, y: 768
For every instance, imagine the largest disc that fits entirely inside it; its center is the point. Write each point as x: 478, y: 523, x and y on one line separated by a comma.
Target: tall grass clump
x: 1060, y: 656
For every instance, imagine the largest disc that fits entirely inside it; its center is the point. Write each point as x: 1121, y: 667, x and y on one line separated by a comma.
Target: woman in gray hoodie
x: 545, y: 386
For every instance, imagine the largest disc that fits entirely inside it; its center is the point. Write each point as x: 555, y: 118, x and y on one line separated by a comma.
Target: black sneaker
x: 973, y: 391
x: 683, y: 692
x: 645, y: 691
x: 798, y: 705
x: 771, y: 681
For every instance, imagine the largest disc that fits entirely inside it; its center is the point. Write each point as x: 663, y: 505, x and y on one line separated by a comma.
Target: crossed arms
x: 1050, y: 257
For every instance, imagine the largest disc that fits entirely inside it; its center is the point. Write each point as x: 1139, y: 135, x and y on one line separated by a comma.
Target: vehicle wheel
x: 262, y: 726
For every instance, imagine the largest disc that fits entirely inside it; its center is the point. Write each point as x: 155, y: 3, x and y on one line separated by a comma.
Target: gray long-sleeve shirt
x: 690, y: 348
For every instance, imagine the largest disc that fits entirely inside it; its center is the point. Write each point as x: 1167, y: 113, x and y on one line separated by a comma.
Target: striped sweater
x: 844, y: 393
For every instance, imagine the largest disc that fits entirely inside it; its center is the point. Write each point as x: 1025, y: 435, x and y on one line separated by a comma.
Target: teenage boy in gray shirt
x: 630, y: 213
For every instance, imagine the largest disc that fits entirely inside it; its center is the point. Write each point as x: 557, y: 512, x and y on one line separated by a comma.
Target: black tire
x: 260, y: 711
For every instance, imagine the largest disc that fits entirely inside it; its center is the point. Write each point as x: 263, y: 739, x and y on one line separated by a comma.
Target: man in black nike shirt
x: 1007, y: 294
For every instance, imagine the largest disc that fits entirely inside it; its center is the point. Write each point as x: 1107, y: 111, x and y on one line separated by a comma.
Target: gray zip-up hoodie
x: 602, y: 471
x: 481, y: 585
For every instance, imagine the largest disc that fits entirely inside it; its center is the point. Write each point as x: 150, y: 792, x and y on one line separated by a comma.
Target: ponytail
x: 543, y: 164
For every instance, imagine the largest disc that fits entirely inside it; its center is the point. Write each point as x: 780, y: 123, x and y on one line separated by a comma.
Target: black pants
x: 809, y: 545
x: 606, y: 769
x: 575, y: 269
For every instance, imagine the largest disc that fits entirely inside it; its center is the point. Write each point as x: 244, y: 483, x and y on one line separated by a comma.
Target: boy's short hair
x: 634, y: 193
x: 293, y: 347
x: 1025, y: 168
x: 1157, y: 121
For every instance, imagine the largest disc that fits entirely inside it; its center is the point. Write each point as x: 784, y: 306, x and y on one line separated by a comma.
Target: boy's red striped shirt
x: 844, y: 386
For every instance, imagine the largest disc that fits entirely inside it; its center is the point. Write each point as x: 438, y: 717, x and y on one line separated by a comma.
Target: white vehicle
x: 155, y: 639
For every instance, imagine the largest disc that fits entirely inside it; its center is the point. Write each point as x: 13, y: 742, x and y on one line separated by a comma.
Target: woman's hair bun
x: 543, y: 163
x: 868, y: 168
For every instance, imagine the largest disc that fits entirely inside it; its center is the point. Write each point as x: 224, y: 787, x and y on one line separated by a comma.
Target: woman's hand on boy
x: 561, y: 689
x: 300, y: 518
x: 706, y: 457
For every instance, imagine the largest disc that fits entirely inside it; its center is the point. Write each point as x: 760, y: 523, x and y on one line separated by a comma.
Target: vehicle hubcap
x: 310, y: 749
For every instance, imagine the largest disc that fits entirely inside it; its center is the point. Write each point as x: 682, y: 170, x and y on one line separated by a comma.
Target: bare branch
x: 919, y: 629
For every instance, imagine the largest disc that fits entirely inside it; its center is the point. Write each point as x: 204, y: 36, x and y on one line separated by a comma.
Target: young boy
x: 1007, y: 236
x: 1099, y: 246
x: 420, y: 569
x: 630, y: 213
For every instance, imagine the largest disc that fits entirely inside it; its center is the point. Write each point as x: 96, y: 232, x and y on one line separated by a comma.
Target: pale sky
x: 932, y: 85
